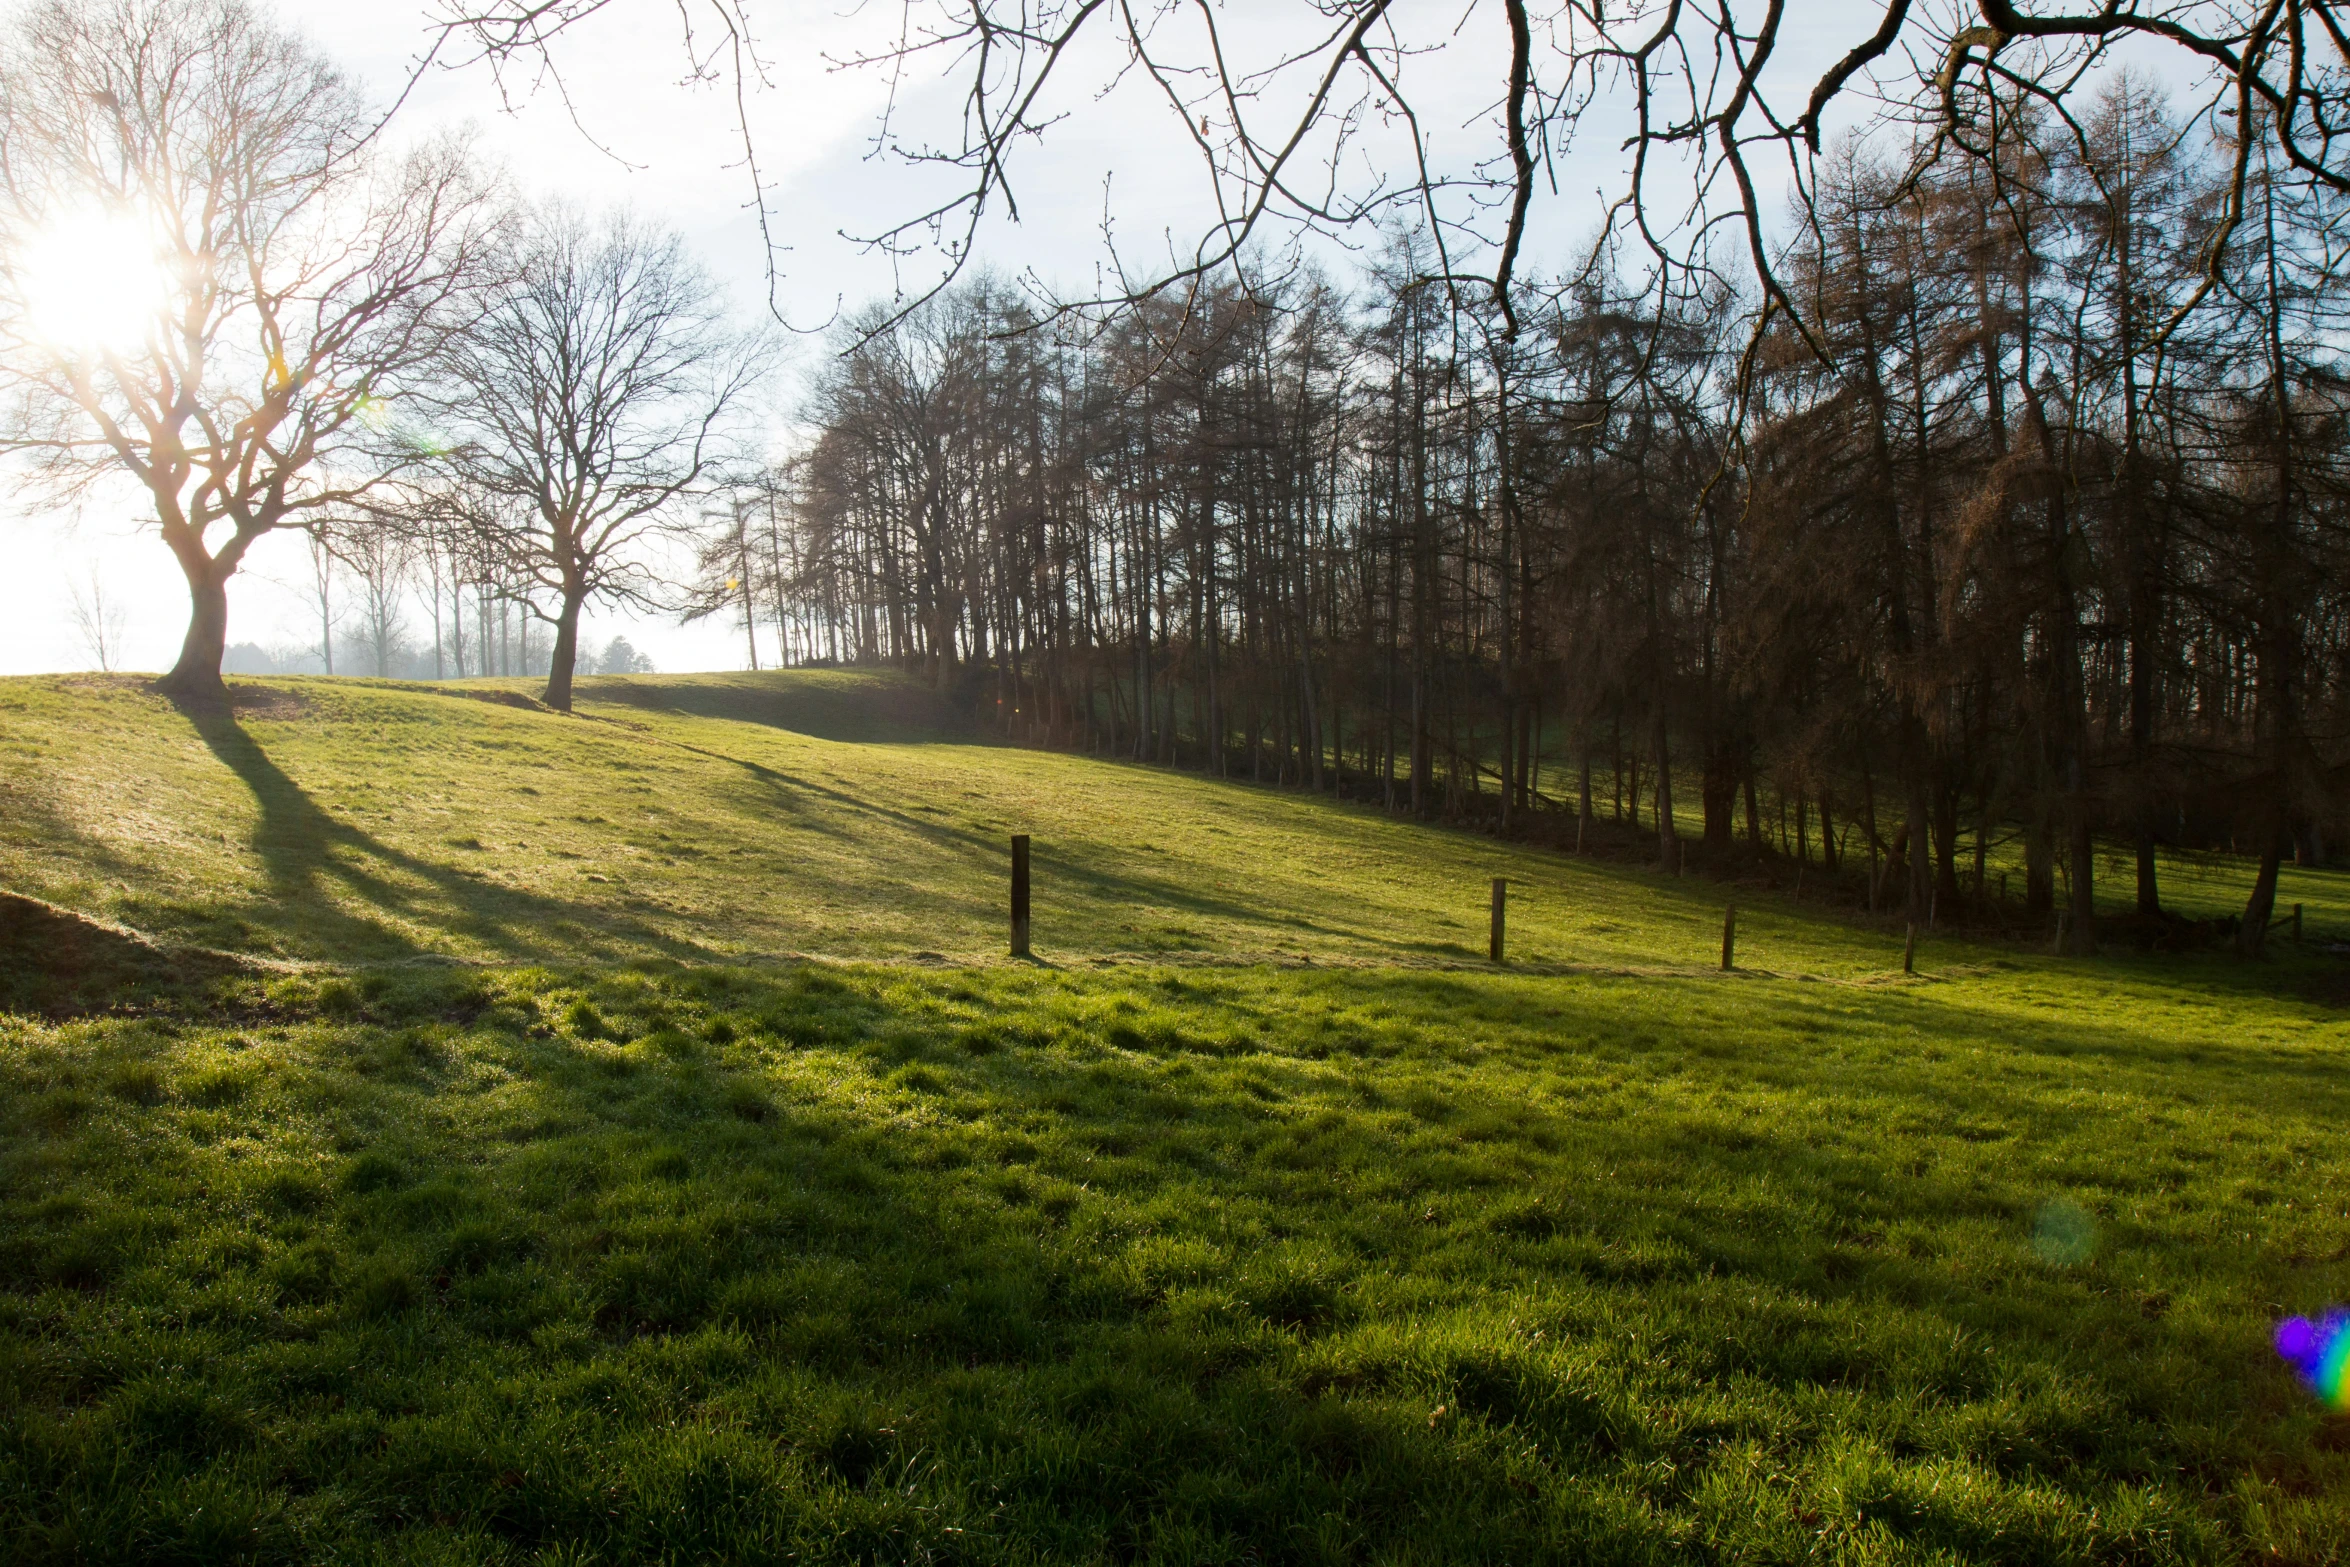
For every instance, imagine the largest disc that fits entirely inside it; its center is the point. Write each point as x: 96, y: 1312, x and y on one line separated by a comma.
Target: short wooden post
x: 1501, y: 899
x: 1020, y: 895
x: 1909, y: 950
x: 1729, y: 938
x: 2296, y: 923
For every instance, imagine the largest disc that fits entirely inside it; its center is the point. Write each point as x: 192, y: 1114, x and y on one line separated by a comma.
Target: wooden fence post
x: 1020, y: 895
x: 2296, y: 924
x: 1729, y: 938
x: 1909, y: 950
x: 1501, y: 898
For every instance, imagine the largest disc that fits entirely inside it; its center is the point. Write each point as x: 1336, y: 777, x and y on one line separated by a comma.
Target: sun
x: 90, y: 280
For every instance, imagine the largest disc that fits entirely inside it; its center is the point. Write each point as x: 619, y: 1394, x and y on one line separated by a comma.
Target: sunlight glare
x: 91, y: 280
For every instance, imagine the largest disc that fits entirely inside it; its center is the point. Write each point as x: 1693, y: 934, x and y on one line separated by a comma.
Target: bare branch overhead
x: 1302, y: 113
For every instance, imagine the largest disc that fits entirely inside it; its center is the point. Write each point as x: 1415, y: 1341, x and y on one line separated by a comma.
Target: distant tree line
x: 391, y: 598
x: 408, y: 659
x: 2001, y: 542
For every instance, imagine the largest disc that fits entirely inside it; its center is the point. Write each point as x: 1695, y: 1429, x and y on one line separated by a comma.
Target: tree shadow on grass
x: 1728, y: 1026
x: 315, y: 864
x: 947, y: 1266
x: 1067, y: 870
x: 857, y: 707
x: 58, y: 962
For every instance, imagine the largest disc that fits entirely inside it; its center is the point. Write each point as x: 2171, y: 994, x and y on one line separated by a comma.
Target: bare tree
x: 319, y: 592
x: 1303, y: 119
x: 101, y: 621
x: 729, y: 564
x: 210, y: 279
x: 599, y: 394
x: 382, y: 557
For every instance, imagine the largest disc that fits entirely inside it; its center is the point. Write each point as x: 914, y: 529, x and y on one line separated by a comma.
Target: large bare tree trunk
x: 195, y: 679
x: 2261, y: 907
x: 566, y: 656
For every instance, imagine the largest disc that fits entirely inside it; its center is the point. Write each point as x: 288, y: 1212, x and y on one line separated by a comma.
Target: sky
x: 626, y: 127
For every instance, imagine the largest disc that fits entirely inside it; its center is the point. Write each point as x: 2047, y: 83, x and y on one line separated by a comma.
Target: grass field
x: 526, y: 1200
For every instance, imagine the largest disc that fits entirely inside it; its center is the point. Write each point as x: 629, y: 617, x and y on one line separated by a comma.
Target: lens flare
x: 2319, y: 1352
x: 91, y: 280
x: 2063, y: 1235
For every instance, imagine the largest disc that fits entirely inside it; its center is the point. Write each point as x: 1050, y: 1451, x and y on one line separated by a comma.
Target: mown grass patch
x: 858, y: 1263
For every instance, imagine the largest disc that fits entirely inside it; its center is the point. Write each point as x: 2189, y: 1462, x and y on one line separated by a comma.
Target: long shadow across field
x: 304, y: 849
x: 1067, y: 870
x: 870, y: 710
x: 1104, y: 880
x: 895, y: 713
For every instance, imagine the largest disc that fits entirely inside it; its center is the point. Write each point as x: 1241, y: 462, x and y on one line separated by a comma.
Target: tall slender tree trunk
x: 1583, y: 798
x: 2277, y: 734
x: 2141, y: 757
x: 1668, y: 841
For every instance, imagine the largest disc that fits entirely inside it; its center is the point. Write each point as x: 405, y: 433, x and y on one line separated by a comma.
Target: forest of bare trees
x: 2005, y: 556
x: 1979, y: 513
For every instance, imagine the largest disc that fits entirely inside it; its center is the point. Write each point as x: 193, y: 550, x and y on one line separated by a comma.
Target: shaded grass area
x: 56, y: 962
x: 666, y: 1263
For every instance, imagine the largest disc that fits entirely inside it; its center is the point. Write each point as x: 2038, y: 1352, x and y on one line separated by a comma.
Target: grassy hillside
x: 748, y: 817
x: 1259, y: 1221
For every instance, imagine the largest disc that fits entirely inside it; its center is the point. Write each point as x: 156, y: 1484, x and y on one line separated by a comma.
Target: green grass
x: 1259, y: 1223
x: 359, y: 822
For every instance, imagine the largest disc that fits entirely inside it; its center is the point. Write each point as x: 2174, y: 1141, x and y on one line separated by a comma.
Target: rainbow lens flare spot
x: 2063, y: 1235
x: 2320, y: 1352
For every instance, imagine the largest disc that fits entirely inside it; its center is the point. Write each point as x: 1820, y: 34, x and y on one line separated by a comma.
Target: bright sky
x: 674, y: 153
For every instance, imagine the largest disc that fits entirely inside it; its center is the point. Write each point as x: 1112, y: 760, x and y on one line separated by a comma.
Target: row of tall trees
x: 2025, y: 534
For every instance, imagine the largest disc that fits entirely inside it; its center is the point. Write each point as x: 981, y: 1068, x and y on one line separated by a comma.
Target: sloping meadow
x: 621, y: 1140
x: 732, y: 818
